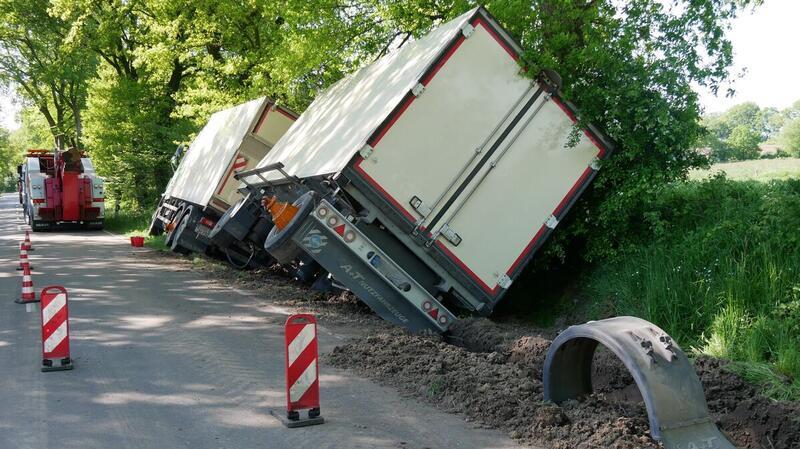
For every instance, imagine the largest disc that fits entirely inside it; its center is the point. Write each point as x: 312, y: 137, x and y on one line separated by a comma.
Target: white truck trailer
x: 427, y: 181
x: 432, y: 176
x: 203, y: 187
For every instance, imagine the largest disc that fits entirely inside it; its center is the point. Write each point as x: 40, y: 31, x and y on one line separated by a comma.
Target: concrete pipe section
x: 670, y: 388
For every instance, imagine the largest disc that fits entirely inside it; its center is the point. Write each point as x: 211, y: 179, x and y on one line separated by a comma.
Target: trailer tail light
x: 322, y: 212
x: 39, y: 201
x: 349, y: 236
x: 282, y: 213
x: 333, y: 221
x: 98, y: 200
x: 207, y: 223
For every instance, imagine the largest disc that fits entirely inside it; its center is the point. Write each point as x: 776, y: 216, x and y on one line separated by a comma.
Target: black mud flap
x: 670, y: 388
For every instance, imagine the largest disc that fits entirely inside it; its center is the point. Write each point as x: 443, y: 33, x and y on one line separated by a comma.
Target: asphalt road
x: 167, y: 359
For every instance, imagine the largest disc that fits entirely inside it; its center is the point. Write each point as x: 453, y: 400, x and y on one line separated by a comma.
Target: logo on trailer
x: 315, y: 241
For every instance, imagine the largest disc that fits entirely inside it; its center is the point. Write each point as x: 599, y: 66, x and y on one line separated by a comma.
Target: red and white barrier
x: 23, y: 258
x: 55, y: 329
x: 27, y: 296
x: 302, y: 372
x: 28, y: 246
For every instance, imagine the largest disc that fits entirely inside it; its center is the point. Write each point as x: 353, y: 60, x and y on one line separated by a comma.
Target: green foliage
x: 743, y: 142
x: 790, y: 137
x: 47, y: 68
x: 129, y: 222
x: 715, y: 264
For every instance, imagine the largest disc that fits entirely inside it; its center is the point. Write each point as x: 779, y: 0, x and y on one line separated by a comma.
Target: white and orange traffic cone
x: 28, y: 245
x: 23, y: 258
x: 28, y: 295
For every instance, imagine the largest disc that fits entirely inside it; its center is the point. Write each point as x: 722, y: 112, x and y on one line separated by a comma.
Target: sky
x: 765, y: 44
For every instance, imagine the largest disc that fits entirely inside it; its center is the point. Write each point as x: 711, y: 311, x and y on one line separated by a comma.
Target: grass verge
x: 134, y: 222
x: 719, y: 269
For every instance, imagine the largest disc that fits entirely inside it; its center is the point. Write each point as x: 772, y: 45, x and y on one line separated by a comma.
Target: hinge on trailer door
x: 467, y: 30
x: 419, y: 206
x: 504, y: 281
x: 366, y: 151
x: 551, y: 222
x: 451, y: 235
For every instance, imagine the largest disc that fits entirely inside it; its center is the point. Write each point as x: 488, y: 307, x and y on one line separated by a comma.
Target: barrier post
x: 302, y: 371
x: 55, y: 329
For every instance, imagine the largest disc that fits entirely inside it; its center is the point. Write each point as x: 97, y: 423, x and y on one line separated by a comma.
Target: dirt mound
x: 751, y: 419
x: 497, y: 383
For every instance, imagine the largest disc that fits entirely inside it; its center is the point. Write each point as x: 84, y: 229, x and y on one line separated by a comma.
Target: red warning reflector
x: 434, y: 312
x: 339, y: 229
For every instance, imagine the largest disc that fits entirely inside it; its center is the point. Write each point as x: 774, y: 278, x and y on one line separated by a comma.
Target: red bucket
x: 137, y: 241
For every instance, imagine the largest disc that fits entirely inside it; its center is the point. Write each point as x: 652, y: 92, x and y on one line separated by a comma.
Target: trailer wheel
x: 171, y: 234
x: 180, y: 229
x: 279, y: 241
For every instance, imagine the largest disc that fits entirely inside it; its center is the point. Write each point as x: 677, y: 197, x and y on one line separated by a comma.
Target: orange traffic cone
x: 28, y: 295
x: 28, y: 245
x: 23, y: 258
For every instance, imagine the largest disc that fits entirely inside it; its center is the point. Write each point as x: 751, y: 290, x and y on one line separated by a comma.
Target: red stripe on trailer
x: 588, y: 134
x: 287, y: 114
x: 492, y: 32
x: 438, y: 66
x: 55, y: 326
x: 262, y: 119
x: 98, y: 200
x: 380, y: 189
x: 466, y: 269
x: 239, y: 162
x: 302, y: 370
x: 573, y: 191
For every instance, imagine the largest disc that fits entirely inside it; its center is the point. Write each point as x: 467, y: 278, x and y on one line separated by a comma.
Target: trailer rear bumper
x: 355, y: 261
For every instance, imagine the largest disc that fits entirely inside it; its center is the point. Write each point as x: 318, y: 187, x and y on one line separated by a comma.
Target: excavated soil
x: 491, y: 374
x: 494, y: 379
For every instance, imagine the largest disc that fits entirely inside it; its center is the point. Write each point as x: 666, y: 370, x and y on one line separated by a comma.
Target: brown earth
x: 491, y: 374
x: 496, y: 381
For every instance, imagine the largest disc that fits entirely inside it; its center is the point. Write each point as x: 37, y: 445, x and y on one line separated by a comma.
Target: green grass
x: 755, y: 170
x: 720, y: 271
x: 133, y: 222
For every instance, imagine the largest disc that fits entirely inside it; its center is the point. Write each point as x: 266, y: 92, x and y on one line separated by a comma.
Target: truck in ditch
x: 60, y: 188
x: 203, y: 188
x: 427, y: 181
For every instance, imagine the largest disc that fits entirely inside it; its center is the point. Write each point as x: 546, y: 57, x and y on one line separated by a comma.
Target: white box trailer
x: 436, y: 173
x: 203, y: 187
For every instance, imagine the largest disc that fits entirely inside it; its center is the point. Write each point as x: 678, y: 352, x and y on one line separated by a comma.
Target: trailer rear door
x: 478, y: 161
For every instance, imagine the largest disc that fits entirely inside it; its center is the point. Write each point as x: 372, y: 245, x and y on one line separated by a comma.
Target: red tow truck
x: 58, y: 187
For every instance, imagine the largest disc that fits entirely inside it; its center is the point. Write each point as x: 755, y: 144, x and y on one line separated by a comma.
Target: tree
x: 45, y: 66
x: 743, y: 142
x: 630, y: 68
x: 790, y: 137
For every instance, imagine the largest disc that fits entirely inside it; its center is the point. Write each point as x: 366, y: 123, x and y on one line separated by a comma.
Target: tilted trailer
x: 203, y: 187
x: 426, y: 182
x: 60, y: 187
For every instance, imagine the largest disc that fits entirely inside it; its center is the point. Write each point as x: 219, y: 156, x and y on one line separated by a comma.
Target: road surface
x: 167, y: 359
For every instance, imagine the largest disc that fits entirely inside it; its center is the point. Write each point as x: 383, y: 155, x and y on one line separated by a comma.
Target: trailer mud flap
x: 356, y: 262
x: 670, y: 388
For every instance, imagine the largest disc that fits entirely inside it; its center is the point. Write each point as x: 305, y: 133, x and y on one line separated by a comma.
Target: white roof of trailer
x: 341, y: 119
x: 211, y: 151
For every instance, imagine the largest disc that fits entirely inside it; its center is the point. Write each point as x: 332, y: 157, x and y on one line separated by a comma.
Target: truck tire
x: 156, y: 225
x: 279, y: 241
x: 183, y: 224
x: 171, y: 234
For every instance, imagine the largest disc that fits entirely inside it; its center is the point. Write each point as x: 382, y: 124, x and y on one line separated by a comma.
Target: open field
x: 757, y: 170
